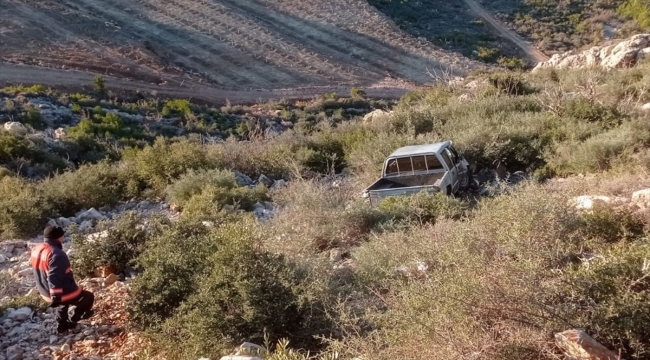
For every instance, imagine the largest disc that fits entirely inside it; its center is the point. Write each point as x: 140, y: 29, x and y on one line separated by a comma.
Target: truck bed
x: 406, y: 181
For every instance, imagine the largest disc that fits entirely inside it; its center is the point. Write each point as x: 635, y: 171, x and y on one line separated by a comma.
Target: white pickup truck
x: 412, y: 169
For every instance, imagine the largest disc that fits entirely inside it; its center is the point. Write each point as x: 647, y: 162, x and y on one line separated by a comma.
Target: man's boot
x: 65, y: 326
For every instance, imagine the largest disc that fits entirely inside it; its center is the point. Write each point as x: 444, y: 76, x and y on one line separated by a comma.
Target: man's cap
x: 53, y: 232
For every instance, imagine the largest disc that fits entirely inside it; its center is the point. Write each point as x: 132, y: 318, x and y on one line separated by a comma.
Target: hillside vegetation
x: 489, y: 276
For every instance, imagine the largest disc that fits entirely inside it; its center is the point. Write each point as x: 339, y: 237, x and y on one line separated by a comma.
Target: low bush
x: 158, y: 165
x: 423, y: 208
x: 117, y: 248
x: 609, y: 298
x: 96, y: 186
x: 33, y: 118
x: 23, y: 208
x: 612, y: 225
x: 222, y: 289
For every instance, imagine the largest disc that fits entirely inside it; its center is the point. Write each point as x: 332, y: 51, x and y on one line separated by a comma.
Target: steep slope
x: 237, y: 45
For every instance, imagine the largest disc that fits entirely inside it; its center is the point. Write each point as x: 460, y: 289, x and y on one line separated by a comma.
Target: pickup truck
x: 412, y: 169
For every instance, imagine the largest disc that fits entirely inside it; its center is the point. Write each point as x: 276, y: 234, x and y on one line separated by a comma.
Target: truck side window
x: 404, y: 164
x: 392, y: 167
x: 433, y: 163
x: 447, y: 160
x: 453, y: 155
x: 419, y: 163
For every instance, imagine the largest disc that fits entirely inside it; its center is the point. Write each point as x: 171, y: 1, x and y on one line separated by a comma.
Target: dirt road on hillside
x: 533, y: 53
x: 74, y: 80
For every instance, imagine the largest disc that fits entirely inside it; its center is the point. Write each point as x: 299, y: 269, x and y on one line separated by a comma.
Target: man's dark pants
x: 84, y: 303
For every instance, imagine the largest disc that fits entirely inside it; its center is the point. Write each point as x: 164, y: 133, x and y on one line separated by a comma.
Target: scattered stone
x: 104, y: 271
x: 110, y: 280
x: 91, y: 214
x: 65, y: 347
x: 336, y: 255
x: 25, y: 272
x: 587, y: 202
x: 265, y: 180
x: 241, y: 357
x: 64, y: 222
x: 21, y: 314
x: 279, y: 184
x: 60, y: 133
x: 53, y: 339
x: 242, y: 179
x: 578, y: 345
x: 646, y: 107
x: 86, y: 226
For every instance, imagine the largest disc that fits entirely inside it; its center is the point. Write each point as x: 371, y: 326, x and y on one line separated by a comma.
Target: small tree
x: 357, y: 93
x: 99, y: 84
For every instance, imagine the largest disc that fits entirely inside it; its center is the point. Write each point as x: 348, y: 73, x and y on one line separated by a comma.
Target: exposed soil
x: 217, y: 49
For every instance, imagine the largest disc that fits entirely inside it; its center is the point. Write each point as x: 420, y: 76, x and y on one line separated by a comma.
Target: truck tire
x: 466, y: 180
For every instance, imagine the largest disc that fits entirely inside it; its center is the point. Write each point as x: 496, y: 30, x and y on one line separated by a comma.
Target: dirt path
x: 533, y: 53
x: 74, y: 80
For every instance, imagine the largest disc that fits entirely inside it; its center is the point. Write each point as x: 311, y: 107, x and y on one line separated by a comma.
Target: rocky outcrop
x: 577, y: 345
x: 622, y: 55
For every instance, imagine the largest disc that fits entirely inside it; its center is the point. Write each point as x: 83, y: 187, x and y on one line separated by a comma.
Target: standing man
x: 56, y: 283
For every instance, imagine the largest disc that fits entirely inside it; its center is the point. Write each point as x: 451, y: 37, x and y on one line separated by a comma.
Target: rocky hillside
x: 203, y: 228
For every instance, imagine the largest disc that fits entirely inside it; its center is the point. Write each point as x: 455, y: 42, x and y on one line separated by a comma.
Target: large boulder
x: 577, y: 345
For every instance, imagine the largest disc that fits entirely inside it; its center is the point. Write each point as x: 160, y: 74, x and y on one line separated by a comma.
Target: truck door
x: 453, y: 170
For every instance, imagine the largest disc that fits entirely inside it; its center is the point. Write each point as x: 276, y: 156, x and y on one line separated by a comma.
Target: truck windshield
x: 409, y: 164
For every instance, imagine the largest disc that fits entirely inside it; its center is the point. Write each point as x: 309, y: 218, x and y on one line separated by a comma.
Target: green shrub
x: 193, y: 182
x: 611, y: 225
x: 487, y: 54
x: 357, y: 93
x: 512, y: 63
x: 509, y: 84
x: 99, y: 85
x: 177, y: 107
x: 123, y: 243
x: 639, y: 10
x: 158, y: 165
x: 12, y: 147
x: 583, y: 109
x: 221, y: 289
x: 243, y: 292
x: 33, y: 118
x: 90, y: 186
x: 170, y: 276
x: 423, y: 208
x: 23, y: 208
x: 220, y: 186
x: 609, y: 299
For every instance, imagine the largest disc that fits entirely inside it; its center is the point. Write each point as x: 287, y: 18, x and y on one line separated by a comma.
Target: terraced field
x: 226, y: 44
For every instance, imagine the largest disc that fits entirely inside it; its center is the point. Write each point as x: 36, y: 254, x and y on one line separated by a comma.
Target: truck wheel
x: 465, y: 180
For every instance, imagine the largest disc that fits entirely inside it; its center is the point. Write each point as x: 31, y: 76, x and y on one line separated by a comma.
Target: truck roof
x: 419, y: 149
